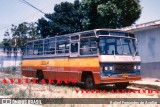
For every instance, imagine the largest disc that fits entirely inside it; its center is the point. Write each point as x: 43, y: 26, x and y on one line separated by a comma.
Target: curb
x: 146, y: 86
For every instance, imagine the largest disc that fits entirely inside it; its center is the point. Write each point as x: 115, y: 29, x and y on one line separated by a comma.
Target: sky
x: 16, y: 12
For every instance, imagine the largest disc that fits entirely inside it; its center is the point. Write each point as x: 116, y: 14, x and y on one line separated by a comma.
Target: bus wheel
x: 122, y: 85
x: 40, y: 76
x: 89, y: 82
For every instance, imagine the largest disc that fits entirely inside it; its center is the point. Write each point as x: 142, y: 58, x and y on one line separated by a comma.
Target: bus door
x: 74, y: 58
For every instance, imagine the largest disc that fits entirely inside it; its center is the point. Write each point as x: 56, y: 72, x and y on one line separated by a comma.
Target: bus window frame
x: 89, y: 42
x: 58, y: 43
x: 70, y: 54
x: 74, y: 54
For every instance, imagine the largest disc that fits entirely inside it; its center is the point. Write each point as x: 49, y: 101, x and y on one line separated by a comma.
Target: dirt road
x: 71, y: 91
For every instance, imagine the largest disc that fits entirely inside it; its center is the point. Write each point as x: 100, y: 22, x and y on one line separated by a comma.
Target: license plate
x: 125, y: 75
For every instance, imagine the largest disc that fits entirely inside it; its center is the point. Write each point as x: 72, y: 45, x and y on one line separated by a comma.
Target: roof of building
x: 143, y: 26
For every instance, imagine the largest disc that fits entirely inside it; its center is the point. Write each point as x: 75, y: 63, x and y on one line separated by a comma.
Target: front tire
x: 89, y: 82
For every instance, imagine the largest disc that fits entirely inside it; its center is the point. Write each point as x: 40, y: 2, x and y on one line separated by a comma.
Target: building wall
x: 7, y: 61
x: 149, y: 50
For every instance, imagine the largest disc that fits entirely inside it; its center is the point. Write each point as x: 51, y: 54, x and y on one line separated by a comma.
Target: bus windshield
x: 117, y: 46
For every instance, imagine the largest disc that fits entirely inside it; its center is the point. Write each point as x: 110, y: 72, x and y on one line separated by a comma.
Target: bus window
x: 38, y: 47
x: 93, y: 45
x: 29, y: 48
x: 73, y: 38
x: 46, y: 46
x: 49, y: 46
x: 88, y: 45
x: 74, y: 47
x: 62, y: 45
x: 84, y: 46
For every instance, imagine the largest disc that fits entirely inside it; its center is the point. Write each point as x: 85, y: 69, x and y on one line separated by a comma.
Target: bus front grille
x: 123, y: 67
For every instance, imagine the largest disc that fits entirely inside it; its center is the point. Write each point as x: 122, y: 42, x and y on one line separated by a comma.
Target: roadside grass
x: 11, y: 70
x: 55, y: 91
x: 6, y: 89
x: 20, y: 94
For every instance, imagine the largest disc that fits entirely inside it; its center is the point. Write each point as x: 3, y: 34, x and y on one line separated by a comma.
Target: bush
x: 6, y: 89
x: 10, y: 70
x: 20, y: 94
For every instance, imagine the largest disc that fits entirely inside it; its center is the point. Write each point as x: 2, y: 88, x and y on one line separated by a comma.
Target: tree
x: 66, y: 18
x: 6, y: 43
x: 89, y: 14
x: 19, y: 35
x: 110, y: 13
x: 24, y: 32
x: 43, y: 27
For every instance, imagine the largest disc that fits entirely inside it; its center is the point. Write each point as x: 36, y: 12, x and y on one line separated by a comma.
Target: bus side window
x: 62, y: 45
x: 88, y: 45
x: 29, y: 49
x: 74, y: 47
x: 84, y: 48
x: 93, y: 47
x: 38, y: 47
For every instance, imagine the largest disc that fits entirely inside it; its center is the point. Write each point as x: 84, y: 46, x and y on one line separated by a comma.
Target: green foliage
x: 89, y: 14
x: 10, y: 70
x: 20, y: 35
x: 66, y: 18
x: 20, y: 94
x: 6, y: 42
x: 1, y: 45
x: 24, y: 32
x: 43, y: 27
x: 111, y: 13
x: 6, y: 89
x: 78, y: 16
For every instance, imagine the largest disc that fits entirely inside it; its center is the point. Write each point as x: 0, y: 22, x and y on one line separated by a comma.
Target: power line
x: 16, y: 22
x: 25, y: 2
x: 32, y: 15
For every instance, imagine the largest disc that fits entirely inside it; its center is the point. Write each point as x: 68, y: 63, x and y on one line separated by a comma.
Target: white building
x: 148, y: 35
x: 7, y: 61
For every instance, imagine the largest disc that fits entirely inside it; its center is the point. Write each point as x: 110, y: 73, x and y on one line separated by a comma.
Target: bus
x: 94, y: 57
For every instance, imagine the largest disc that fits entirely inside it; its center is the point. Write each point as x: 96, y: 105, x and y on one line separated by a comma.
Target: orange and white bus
x: 95, y: 57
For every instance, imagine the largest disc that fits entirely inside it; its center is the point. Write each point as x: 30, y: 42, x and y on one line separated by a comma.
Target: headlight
x: 135, y: 67
x: 106, y: 68
x: 138, y: 67
x: 111, y: 68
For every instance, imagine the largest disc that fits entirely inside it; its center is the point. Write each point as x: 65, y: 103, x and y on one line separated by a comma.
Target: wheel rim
x: 89, y: 83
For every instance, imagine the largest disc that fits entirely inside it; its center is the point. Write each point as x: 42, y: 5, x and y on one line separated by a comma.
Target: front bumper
x: 116, y: 79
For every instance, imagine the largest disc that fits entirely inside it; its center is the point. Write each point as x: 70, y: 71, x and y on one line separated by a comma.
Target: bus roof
x: 78, y: 33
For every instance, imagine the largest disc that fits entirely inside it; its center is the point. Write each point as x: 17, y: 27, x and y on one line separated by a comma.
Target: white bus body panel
x: 119, y: 58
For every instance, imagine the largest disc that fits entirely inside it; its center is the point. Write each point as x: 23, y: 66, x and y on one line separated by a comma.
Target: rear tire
x: 89, y: 82
x: 122, y: 85
x: 40, y: 76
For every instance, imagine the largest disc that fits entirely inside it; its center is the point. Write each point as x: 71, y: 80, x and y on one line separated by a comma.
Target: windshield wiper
x: 134, y: 54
